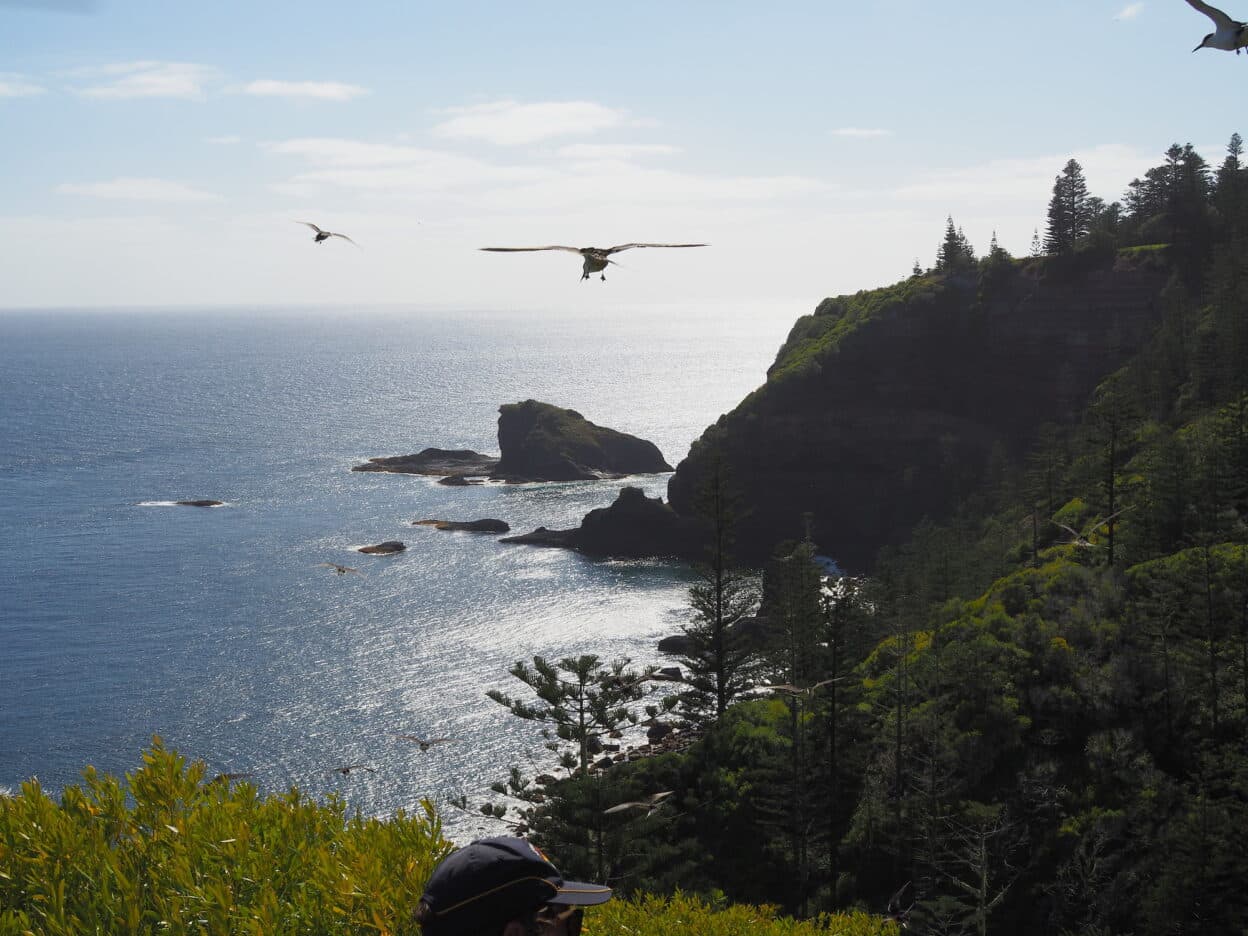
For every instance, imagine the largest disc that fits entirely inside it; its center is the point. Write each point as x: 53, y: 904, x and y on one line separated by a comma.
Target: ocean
x: 122, y: 617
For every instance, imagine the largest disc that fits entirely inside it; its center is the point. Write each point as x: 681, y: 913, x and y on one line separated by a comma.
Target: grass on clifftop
x: 814, y: 336
x: 169, y: 851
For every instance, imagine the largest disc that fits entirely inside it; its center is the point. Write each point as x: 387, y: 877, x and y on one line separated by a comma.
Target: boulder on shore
x: 485, y: 525
x: 389, y: 547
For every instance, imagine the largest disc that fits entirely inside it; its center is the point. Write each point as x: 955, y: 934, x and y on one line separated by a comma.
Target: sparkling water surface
x: 121, y: 618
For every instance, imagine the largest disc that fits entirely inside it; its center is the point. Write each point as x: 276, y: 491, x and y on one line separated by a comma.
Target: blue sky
x: 157, y: 153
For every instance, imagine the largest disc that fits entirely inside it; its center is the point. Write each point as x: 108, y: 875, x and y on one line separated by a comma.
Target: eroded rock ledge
x: 635, y: 526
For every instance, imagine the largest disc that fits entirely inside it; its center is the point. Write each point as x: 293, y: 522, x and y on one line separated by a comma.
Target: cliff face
x: 884, y: 407
x: 543, y: 442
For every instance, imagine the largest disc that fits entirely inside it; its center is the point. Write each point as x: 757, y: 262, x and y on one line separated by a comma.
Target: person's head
x: 503, y: 887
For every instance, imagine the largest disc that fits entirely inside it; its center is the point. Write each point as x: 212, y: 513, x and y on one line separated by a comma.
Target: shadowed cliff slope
x: 886, y: 406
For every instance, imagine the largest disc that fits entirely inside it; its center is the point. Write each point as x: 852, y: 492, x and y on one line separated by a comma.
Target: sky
x: 159, y: 152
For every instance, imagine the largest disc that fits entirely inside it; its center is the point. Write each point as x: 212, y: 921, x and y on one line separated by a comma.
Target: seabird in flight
x: 596, y: 258
x: 324, y: 235
x: 1229, y: 35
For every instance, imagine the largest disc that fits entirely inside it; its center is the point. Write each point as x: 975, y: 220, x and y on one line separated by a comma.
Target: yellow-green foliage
x: 687, y: 916
x: 814, y: 337
x: 169, y: 852
x: 175, y: 854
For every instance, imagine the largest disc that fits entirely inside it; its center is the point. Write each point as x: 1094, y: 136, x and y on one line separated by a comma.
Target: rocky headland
x: 888, y: 406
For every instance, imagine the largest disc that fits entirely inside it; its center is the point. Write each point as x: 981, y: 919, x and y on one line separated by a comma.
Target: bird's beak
x: 1199, y: 47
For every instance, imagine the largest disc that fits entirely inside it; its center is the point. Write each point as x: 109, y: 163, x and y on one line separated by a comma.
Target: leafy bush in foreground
x: 687, y: 916
x: 171, y: 853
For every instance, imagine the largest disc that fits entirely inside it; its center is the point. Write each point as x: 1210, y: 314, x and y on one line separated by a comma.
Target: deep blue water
x: 216, y: 629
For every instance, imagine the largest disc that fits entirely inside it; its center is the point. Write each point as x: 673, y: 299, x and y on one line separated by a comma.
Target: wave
x: 169, y: 503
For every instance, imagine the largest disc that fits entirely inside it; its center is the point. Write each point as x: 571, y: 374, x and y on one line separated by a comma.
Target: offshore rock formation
x: 887, y: 406
x: 486, y: 525
x: 541, y: 442
x: 538, y: 442
x: 388, y: 548
x: 460, y: 463
x: 632, y: 527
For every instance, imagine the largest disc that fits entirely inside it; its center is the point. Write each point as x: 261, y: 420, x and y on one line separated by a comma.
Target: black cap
x: 493, y: 880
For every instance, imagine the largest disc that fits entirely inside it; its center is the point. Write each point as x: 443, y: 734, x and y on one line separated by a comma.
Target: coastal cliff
x: 887, y: 406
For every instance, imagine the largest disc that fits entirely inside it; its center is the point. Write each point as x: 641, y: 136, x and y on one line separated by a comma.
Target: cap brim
x: 578, y: 893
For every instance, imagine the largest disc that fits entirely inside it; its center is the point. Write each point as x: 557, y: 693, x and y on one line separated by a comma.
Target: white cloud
x: 228, y: 140
x: 615, y: 150
x: 510, y: 123
x: 13, y: 86
x: 390, y: 168
x: 150, y: 79
x: 397, y: 170
x: 861, y: 132
x: 138, y: 189
x: 1108, y: 168
x: 320, y: 90
x: 1130, y: 11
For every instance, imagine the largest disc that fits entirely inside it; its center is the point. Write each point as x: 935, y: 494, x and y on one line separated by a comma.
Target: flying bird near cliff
x: 346, y: 770
x: 340, y: 569
x: 425, y: 743
x: 1228, y: 34
x: 649, y: 804
x: 324, y: 235
x: 1083, y: 540
x: 596, y: 258
x: 898, y: 909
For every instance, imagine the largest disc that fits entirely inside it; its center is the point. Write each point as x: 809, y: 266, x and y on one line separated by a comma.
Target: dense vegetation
x: 1036, y: 708
x: 170, y: 851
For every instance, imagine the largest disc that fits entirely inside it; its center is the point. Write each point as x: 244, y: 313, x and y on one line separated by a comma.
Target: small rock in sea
x: 486, y: 525
x: 384, y: 549
x: 200, y: 503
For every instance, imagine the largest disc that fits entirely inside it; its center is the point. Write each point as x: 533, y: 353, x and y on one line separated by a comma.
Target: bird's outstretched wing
x: 344, y: 237
x: 1220, y: 19
x: 575, y: 250
x: 1100, y: 523
x: 898, y: 906
x: 340, y: 569
x: 350, y: 767
x: 619, y: 247
x: 312, y: 226
x: 649, y: 804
